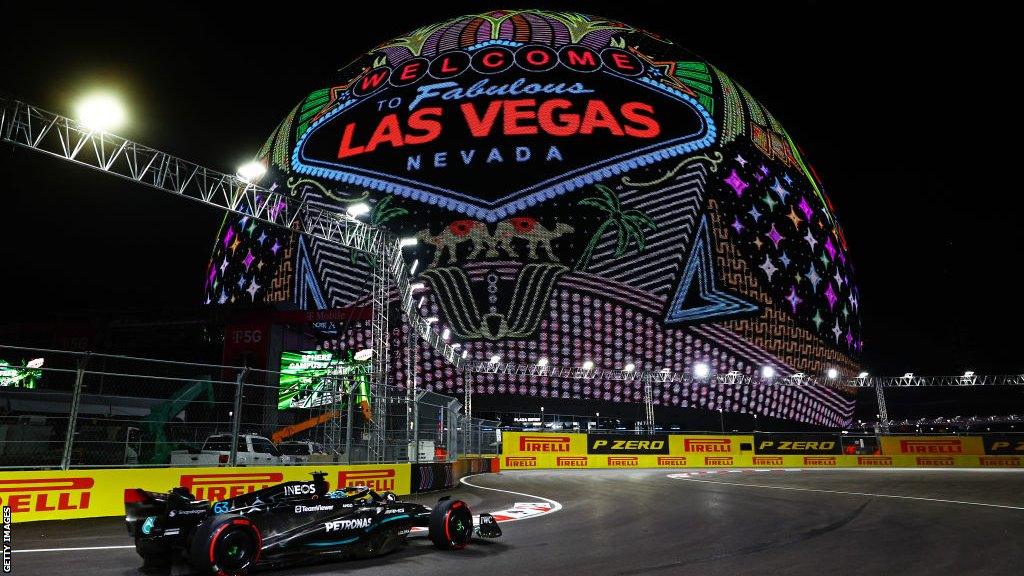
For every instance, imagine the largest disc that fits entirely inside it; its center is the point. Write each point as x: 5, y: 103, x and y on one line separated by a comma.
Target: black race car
x: 287, y: 524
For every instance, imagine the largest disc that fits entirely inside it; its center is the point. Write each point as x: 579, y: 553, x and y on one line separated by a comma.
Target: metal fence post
x: 236, y: 417
x: 76, y: 397
x: 348, y: 421
x: 416, y: 428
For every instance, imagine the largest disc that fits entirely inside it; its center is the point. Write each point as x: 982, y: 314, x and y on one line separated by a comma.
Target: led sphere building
x: 582, y: 191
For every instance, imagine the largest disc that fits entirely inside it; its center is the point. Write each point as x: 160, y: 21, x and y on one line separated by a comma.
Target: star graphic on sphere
x: 853, y: 300
x: 252, y: 226
x: 275, y: 247
x: 769, y: 201
x: 830, y: 248
x: 242, y: 222
x: 742, y: 161
x: 262, y: 238
x: 793, y: 298
x: 248, y: 260
x: 774, y: 236
x: 824, y: 259
x: 768, y: 267
x: 223, y: 265
x: 805, y: 207
x: 253, y: 287
x: 842, y: 257
x: 839, y: 279
x: 228, y: 236
x: 837, y: 330
x: 849, y: 338
x: 736, y: 183
x: 757, y: 242
x: 787, y: 180
x: 780, y: 191
x: 763, y: 169
x: 812, y: 276
x: 223, y: 297
x: 846, y: 311
x: 242, y: 281
x: 817, y: 319
x: 809, y: 238
x: 784, y: 259
x: 736, y: 224
x: 794, y: 218
x: 754, y: 213
x: 207, y: 301
x: 830, y: 295
x: 235, y: 245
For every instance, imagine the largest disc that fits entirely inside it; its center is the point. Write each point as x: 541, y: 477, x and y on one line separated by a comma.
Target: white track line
x: 73, y: 549
x: 555, y: 506
x: 942, y: 500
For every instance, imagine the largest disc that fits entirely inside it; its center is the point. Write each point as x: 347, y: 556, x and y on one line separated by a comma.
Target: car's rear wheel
x: 451, y: 525
x: 225, y: 545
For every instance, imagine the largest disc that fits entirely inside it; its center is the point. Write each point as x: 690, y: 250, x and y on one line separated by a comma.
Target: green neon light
x: 309, y: 378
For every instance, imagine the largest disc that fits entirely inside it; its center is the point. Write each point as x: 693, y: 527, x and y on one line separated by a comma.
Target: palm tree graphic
x: 630, y: 225
x: 381, y: 212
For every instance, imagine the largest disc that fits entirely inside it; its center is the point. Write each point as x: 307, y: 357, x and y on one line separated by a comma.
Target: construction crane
x: 162, y: 413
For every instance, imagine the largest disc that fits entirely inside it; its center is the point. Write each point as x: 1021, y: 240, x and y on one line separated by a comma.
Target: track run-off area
x: 626, y: 522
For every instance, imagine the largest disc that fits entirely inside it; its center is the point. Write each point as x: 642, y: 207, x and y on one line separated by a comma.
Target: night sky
x: 909, y: 118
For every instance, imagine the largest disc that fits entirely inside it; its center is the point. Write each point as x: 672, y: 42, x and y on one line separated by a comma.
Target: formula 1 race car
x: 287, y: 524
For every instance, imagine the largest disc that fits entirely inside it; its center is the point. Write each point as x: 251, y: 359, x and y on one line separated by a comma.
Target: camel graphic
x: 533, y: 232
x: 524, y: 228
x: 456, y: 234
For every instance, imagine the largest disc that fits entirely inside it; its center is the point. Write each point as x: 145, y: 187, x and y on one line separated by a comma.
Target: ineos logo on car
x: 299, y: 489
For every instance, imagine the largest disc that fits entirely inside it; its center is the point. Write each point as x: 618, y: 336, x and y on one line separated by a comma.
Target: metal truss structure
x: 735, y: 378
x: 38, y: 129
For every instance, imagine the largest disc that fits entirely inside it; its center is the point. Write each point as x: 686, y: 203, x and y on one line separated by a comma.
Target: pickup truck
x: 253, y: 450
x: 300, y: 451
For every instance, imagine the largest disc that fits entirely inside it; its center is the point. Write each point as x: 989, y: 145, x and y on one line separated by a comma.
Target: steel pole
x: 348, y: 421
x: 76, y: 397
x: 236, y: 420
x: 883, y: 414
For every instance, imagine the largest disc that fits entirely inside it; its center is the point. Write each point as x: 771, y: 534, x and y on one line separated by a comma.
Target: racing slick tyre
x: 225, y: 545
x: 451, y: 525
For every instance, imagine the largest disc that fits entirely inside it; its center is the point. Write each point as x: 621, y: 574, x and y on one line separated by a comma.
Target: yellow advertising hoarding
x: 538, y: 450
x: 57, y: 495
x: 932, y: 445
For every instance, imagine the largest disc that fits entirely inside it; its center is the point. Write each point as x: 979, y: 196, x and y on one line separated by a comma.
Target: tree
x: 630, y: 225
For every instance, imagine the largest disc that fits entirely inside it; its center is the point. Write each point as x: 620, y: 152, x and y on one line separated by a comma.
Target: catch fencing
x: 84, y: 410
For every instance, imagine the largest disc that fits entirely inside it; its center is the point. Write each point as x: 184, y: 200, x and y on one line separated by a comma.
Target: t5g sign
x: 539, y: 120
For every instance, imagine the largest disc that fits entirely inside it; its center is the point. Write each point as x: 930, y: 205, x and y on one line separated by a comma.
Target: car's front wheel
x: 225, y: 545
x: 451, y: 525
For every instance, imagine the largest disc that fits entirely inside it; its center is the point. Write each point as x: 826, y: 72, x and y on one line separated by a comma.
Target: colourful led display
x: 582, y: 191
x: 313, y: 378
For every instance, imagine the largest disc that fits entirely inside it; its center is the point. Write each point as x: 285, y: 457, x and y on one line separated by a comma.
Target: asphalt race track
x: 627, y: 522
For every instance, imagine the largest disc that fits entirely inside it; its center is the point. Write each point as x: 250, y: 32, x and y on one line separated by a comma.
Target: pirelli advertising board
x: 538, y: 450
x: 932, y: 445
x: 783, y: 444
x: 58, y: 495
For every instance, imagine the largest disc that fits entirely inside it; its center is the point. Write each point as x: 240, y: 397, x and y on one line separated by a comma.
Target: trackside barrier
x: 59, y: 495
x: 532, y: 450
x: 445, y: 475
